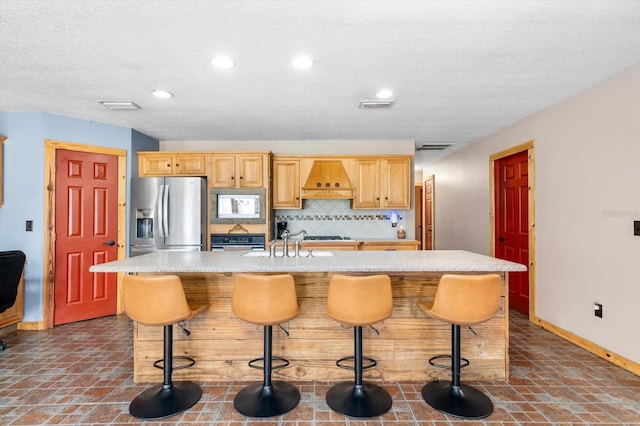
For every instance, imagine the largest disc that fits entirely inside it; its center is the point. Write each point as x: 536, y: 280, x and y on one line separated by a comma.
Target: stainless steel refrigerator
x: 167, y: 214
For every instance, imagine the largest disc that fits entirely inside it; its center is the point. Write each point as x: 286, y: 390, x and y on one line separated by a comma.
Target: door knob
x: 109, y: 243
x: 500, y: 238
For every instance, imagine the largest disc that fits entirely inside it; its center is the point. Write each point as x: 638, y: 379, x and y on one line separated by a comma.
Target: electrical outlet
x: 597, y: 309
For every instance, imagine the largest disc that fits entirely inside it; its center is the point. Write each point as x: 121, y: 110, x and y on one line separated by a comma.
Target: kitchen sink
x: 303, y: 253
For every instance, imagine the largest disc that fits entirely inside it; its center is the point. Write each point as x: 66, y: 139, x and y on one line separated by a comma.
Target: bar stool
x: 265, y: 300
x: 159, y: 300
x: 358, y: 301
x: 461, y: 300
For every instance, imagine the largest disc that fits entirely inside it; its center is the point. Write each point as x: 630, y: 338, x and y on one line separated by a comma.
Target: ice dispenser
x: 144, y: 223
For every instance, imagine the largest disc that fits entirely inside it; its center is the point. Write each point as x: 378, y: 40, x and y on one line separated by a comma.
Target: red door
x: 512, y: 223
x: 86, y: 233
x: 428, y: 213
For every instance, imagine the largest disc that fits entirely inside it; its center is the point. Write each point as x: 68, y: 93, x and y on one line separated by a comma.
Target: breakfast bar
x: 222, y: 344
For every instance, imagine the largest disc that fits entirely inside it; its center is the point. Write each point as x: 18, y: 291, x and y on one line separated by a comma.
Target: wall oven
x: 220, y: 242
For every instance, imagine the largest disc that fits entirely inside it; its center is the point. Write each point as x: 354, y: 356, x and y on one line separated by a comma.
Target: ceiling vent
x: 433, y: 146
x: 375, y: 104
x: 119, y: 105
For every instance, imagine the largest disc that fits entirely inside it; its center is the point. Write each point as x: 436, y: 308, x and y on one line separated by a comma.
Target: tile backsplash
x: 335, y: 217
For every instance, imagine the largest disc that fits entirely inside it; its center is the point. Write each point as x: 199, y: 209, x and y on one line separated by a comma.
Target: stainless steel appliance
x: 281, y: 226
x: 325, y: 237
x: 168, y: 214
x: 237, y: 242
x: 238, y: 205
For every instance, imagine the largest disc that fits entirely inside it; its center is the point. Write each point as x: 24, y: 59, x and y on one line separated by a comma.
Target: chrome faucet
x: 285, y: 240
x: 286, y: 235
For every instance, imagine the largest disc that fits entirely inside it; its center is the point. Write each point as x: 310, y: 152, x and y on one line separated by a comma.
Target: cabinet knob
x: 240, y: 177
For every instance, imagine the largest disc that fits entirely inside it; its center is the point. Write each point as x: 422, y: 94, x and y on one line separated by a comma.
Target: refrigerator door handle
x: 160, y: 210
x: 165, y: 208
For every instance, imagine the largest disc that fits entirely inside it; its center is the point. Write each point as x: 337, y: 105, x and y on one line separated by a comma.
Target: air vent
x: 433, y: 146
x: 119, y: 105
x: 375, y: 104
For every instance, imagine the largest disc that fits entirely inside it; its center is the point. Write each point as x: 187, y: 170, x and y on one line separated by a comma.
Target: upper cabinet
x: 372, y: 182
x: 238, y: 170
x: 171, y: 164
x: 286, y: 184
x: 382, y: 183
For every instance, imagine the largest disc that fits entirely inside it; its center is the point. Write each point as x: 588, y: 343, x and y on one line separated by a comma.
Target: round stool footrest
x: 282, y: 363
x: 190, y: 362
x: 463, y: 361
x: 341, y: 363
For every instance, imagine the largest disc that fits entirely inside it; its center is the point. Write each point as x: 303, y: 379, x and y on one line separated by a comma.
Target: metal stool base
x: 461, y: 401
x: 257, y: 400
x: 366, y: 400
x: 159, y: 402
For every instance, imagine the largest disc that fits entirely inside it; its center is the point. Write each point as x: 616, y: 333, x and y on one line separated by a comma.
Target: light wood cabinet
x: 390, y: 245
x: 382, y: 183
x: 344, y: 245
x: 286, y: 184
x: 171, y: 164
x: 237, y: 171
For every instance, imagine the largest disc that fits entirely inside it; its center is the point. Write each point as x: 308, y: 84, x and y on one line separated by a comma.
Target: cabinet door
x: 286, y: 184
x: 368, y: 184
x: 395, y: 181
x: 190, y: 164
x: 250, y: 170
x: 155, y: 165
x: 224, y: 171
x: 390, y: 245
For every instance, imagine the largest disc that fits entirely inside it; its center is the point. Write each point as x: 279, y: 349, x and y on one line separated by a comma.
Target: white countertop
x: 340, y: 261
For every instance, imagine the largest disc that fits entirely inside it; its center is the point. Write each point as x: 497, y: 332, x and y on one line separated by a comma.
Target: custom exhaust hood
x: 327, y: 180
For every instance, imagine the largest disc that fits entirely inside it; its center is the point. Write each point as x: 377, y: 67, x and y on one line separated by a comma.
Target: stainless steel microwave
x: 237, y: 205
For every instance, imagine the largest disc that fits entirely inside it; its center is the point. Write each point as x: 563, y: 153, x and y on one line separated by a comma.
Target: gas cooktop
x: 325, y: 237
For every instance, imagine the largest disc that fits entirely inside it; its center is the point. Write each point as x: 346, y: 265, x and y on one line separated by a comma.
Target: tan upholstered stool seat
x: 159, y: 300
x: 358, y: 301
x: 465, y: 299
x: 461, y: 300
x: 265, y: 300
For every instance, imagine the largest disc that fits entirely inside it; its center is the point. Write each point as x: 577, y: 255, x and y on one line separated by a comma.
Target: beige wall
x: 587, y: 154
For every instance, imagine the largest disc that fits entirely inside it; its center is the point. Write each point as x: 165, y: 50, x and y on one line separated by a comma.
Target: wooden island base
x: 223, y: 344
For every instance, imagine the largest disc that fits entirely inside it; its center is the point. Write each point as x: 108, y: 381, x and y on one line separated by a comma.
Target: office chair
x: 11, y: 265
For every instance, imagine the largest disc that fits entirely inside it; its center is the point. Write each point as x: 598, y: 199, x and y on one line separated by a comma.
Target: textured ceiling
x: 460, y: 70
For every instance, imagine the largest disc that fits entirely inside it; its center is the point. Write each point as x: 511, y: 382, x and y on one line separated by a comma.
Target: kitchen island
x: 223, y: 344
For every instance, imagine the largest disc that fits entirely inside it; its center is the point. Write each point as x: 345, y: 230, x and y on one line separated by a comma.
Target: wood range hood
x: 327, y: 179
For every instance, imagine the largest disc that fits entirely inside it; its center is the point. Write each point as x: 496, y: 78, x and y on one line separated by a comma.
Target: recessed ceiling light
x: 162, y: 94
x: 222, y: 62
x: 384, y: 94
x: 302, y: 62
